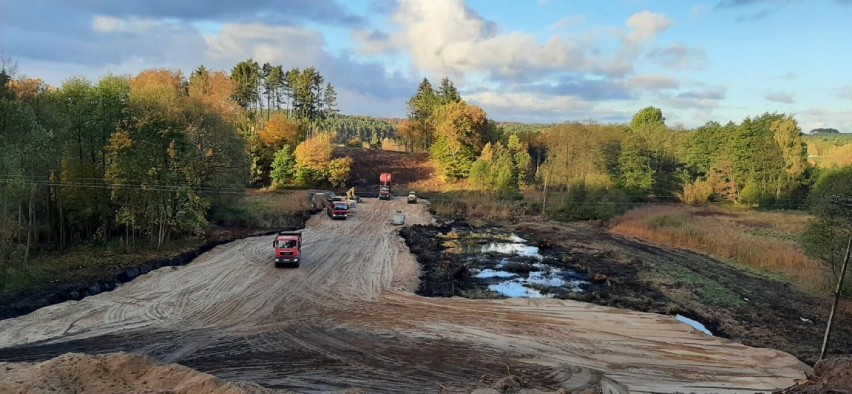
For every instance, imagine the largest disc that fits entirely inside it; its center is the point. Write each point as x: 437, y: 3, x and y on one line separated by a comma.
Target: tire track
x: 340, y: 321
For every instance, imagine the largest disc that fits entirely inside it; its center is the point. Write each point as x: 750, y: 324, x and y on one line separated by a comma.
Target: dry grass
x: 763, y: 241
x: 477, y: 209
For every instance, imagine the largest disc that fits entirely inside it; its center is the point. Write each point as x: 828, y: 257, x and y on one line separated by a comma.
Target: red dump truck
x: 385, y: 186
x: 288, y: 248
x: 337, y: 210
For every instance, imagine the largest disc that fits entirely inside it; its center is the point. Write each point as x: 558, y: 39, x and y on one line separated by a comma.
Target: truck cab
x: 288, y: 248
x: 412, y: 197
x: 338, y: 210
x: 384, y: 193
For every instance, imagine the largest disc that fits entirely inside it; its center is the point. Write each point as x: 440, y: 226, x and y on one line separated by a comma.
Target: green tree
x: 330, y: 101
x: 247, y: 79
x: 648, y: 117
x: 459, y: 128
x: 420, y: 108
x: 634, y: 166
x: 447, y: 92
x: 827, y: 235
x: 283, y: 167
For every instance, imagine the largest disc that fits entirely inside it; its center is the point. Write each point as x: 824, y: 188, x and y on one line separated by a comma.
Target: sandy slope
x: 347, y: 318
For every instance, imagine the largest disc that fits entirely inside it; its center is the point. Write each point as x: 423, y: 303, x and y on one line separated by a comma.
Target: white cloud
x: 680, y: 56
x: 522, y: 106
x: 780, y: 97
x: 568, y: 21
x: 844, y: 92
x: 264, y: 43
x: 651, y: 82
x: 820, y: 117
x: 105, y: 24
x: 446, y: 37
x: 646, y: 25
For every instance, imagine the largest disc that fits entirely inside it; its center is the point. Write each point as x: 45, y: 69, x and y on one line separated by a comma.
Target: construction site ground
x: 349, y: 318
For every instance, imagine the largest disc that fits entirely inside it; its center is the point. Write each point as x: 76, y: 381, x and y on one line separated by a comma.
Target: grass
x: 477, y: 209
x: 84, y: 262
x: 259, y: 209
x: 765, y: 242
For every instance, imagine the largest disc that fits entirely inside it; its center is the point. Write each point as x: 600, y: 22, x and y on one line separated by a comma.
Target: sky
x: 542, y: 61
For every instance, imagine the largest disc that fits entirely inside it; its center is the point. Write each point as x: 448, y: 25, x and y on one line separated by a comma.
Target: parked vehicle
x: 385, y: 186
x: 398, y: 218
x: 288, y: 248
x: 412, y: 198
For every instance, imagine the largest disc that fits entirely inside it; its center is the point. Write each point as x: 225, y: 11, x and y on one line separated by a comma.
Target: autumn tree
x: 172, y: 148
x: 312, y: 158
x: 280, y: 130
x: 459, y: 128
x: 338, y: 171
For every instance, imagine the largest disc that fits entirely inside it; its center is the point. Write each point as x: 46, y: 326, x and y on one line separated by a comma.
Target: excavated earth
x: 349, y: 318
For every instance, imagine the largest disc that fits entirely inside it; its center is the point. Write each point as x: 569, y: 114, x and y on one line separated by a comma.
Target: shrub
x: 696, y: 193
x: 355, y: 142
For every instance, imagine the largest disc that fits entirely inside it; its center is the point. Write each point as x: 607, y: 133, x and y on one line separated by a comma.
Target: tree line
x: 143, y: 159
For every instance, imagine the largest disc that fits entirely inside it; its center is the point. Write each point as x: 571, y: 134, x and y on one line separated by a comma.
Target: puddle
x: 507, y: 265
x: 515, y: 290
x: 694, y: 324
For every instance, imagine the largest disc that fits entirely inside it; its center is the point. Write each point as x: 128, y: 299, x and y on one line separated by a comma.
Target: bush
x: 587, y: 202
x: 355, y: 142
x: 696, y: 193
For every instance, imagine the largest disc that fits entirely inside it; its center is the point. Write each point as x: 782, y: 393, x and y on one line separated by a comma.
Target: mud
x: 349, y: 318
x: 830, y: 376
x: 608, y: 281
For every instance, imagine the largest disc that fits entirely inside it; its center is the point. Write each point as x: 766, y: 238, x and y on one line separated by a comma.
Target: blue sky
x: 529, y: 61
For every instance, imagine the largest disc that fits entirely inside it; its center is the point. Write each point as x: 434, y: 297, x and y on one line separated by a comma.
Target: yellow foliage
x: 696, y: 193
x: 314, y: 153
x: 838, y: 156
x: 338, y: 171
x: 158, y: 87
x: 279, y: 131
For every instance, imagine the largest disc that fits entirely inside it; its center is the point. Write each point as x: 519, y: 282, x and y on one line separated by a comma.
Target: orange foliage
x: 27, y: 89
x: 279, y: 131
x: 217, y: 92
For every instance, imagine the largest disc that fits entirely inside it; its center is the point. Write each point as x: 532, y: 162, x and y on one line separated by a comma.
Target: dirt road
x: 348, y: 318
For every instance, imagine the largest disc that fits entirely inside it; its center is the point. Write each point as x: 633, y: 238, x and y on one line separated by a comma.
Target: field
x: 829, y: 150
x: 763, y: 242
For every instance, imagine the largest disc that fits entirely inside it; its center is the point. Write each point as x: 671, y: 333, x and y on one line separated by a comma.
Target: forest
x: 149, y: 158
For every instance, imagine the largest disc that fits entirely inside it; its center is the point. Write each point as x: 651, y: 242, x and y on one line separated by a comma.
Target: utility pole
x: 846, y: 207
